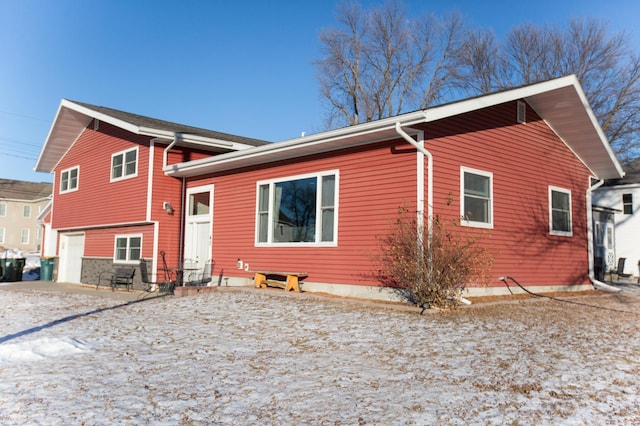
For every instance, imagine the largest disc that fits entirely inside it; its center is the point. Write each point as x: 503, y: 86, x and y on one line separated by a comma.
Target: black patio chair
x: 202, y: 278
x: 164, y: 287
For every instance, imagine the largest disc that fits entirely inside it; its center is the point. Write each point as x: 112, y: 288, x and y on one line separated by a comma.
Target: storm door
x: 198, y: 230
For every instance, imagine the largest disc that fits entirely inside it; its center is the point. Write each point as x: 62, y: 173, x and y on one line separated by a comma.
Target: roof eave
x: 590, y: 145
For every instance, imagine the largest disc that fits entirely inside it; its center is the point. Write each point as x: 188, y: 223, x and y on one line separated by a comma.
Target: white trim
x: 104, y: 226
x: 68, y: 171
x: 473, y: 223
x: 124, y: 165
x: 318, y: 231
x: 551, y: 230
x: 128, y: 260
x: 150, y: 180
x: 22, y: 241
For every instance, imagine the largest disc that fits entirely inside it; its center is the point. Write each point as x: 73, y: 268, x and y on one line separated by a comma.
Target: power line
x: 19, y: 141
x: 24, y: 116
x: 18, y: 156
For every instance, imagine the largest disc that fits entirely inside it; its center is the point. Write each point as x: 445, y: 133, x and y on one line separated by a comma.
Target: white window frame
x: 62, y: 179
x: 319, y: 210
x: 552, y: 231
x: 124, y: 156
x: 128, y: 259
x: 25, y: 232
x: 26, y: 211
x: 3, y: 209
x: 2, y: 233
x: 473, y: 223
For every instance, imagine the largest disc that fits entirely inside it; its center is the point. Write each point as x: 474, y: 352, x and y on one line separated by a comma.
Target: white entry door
x: 198, y: 227
x: 71, y: 252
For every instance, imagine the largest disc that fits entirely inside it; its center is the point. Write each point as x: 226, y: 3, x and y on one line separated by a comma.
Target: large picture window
x: 559, y: 211
x: 298, y: 210
x: 476, y: 204
x: 69, y: 179
x: 124, y: 164
x: 128, y: 248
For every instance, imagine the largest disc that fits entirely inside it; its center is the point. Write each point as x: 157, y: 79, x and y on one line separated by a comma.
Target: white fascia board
x: 315, y: 140
x: 100, y: 116
x: 480, y: 102
x: 46, y: 141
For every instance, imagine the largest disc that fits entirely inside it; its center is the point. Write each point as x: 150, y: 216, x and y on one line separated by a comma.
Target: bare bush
x: 431, y: 268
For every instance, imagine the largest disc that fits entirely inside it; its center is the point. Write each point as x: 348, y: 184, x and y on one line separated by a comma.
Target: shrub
x: 431, y: 270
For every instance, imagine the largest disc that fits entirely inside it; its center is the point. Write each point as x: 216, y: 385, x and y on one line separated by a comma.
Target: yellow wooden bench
x: 291, y: 283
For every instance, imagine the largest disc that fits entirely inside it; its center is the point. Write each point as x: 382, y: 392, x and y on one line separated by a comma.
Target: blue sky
x: 241, y: 67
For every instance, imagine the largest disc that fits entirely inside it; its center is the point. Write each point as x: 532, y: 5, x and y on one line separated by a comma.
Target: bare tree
x: 380, y: 63
x: 605, y: 65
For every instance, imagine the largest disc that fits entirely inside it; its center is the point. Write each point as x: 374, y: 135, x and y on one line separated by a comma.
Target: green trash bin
x: 12, y: 269
x: 46, y: 269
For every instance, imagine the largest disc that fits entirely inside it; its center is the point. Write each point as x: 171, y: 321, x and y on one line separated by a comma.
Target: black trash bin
x: 46, y: 269
x: 12, y: 269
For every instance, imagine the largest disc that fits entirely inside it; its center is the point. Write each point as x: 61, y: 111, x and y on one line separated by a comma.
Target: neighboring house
x: 112, y: 203
x: 514, y: 167
x: 620, y: 200
x: 20, y: 205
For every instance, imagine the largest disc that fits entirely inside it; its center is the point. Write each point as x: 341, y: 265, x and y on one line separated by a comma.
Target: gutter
x: 599, y: 285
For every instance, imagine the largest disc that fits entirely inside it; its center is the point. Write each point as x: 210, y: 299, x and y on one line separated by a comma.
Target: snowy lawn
x: 259, y: 358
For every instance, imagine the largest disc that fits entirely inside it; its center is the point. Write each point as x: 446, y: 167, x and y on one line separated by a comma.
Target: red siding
x: 372, y: 185
x: 375, y: 180
x: 100, y: 204
x: 98, y: 242
x: 524, y: 159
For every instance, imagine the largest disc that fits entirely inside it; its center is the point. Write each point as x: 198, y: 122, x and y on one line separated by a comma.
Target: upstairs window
x: 124, y: 164
x: 627, y: 203
x: 476, y: 204
x: 3, y: 209
x: 128, y: 248
x: 298, y: 210
x: 69, y: 179
x: 26, y: 211
x: 560, y: 211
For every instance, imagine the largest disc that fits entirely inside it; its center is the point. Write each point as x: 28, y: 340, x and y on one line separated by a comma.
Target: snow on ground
x: 259, y: 358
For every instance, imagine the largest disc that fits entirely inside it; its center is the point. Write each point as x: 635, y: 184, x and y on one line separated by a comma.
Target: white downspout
x: 165, y: 155
x: 420, y: 147
x: 597, y: 284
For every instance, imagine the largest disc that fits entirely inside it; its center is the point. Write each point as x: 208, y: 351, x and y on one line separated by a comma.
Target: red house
x: 112, y: 203
x: 517, y: 166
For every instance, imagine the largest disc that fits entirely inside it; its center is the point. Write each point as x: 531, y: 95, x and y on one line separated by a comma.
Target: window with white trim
x: 69, y: 179
x: 3, y: 209
x: 298, y: 210
x: 26, y: 211
x: 627, y: 203
x: 124, y: 164
x: 476, y: 193
x: 24, y: 236
x: 1, y: 235
x: 128, y: 248
x: 560, y: 211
